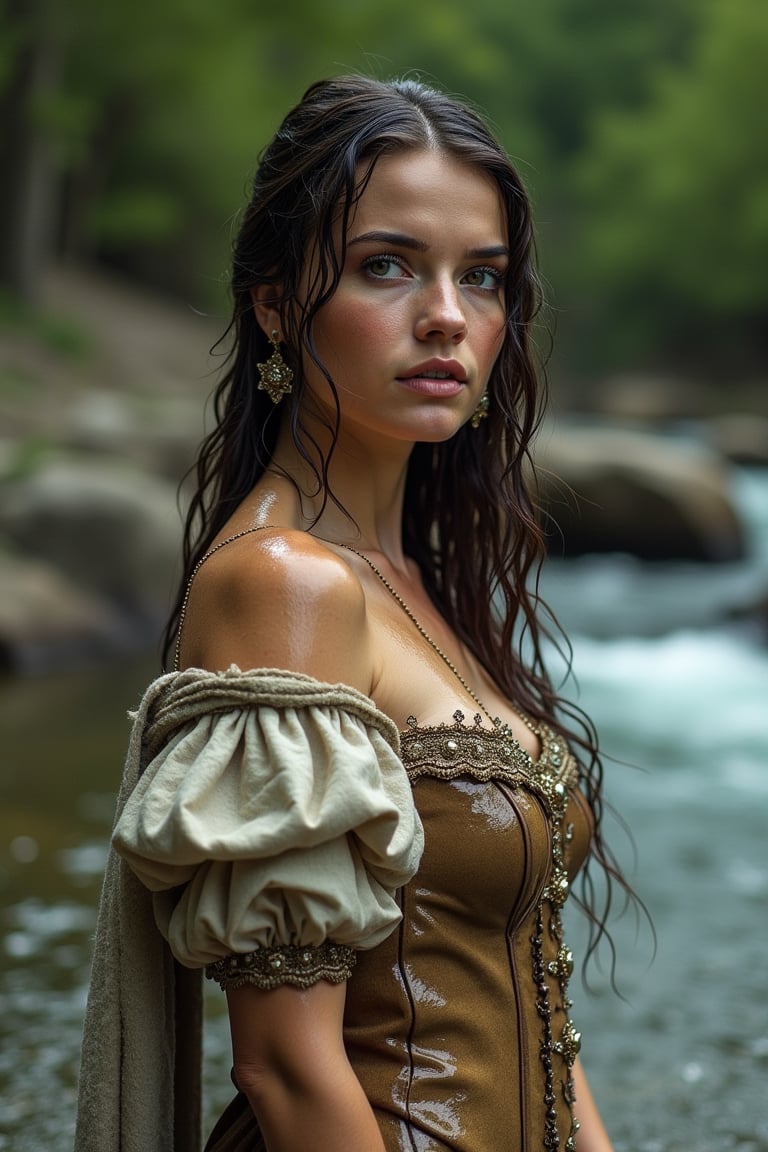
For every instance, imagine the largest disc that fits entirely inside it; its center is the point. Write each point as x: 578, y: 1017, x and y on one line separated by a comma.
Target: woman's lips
x: 435, y: 377
x: 432, y: 385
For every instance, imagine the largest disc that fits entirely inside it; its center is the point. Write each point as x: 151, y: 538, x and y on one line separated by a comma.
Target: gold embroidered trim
x: 299, y: 964
x: 450, y: 750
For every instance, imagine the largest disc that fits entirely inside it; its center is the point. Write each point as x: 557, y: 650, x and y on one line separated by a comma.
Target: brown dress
x: 457, y: 1023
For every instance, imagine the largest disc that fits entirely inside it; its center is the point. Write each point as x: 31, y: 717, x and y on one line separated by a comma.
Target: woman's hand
x: 290, y: 1062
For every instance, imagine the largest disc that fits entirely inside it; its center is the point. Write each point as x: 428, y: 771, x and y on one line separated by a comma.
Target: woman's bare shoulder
x: 279, y: 598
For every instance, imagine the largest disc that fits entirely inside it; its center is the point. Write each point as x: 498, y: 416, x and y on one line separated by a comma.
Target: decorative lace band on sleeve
x: 299, y: 965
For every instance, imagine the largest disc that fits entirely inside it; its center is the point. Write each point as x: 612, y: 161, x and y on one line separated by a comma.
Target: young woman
x: 357, y: 800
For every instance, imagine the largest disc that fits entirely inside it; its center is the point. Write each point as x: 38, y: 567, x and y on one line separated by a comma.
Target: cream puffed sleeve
x: 273, y: 817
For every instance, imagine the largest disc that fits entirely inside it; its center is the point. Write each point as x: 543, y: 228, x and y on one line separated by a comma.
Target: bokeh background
x: 128, y: 136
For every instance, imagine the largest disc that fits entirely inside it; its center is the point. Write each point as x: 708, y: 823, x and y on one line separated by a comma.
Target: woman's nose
x: 441, y: 314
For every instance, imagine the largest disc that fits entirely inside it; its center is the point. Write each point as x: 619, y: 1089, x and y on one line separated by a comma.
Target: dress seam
x: 412, y: 1025
x: 523, y: 1045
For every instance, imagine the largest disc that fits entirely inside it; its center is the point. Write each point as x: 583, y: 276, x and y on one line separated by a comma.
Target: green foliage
x: 59, y: 335
x: 634, y: 124
x: 675, y: 194
x: 25, y: 459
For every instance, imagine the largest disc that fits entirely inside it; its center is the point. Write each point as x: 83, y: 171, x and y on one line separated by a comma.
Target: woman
x: 352, y: 799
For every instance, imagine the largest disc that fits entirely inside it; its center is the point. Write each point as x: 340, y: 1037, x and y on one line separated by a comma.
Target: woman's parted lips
x: 436, y: 368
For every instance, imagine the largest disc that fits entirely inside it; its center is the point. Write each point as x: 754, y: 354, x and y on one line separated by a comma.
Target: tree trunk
x: 27, y: 197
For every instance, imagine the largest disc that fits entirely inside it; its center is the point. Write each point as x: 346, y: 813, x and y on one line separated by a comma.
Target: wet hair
x: 470, y: 516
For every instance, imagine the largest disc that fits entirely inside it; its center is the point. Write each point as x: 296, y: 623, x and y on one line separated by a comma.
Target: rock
x: 160, y: 433
x: 110, y: 529
x: 741, y: 437
x: 646, y: 399
x: 46, y: 622
x: 608, y: 489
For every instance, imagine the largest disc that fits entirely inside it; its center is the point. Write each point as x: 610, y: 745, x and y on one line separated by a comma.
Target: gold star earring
x: 275, y: 374
x: 481, y: 412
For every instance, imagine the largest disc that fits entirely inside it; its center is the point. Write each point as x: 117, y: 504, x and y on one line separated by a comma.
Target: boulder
x: 109, y: 529
x: 159, y: 434
x: 742, y: 437
x: 609, y: 489
x: 45, y: 621
x: 640, y: 398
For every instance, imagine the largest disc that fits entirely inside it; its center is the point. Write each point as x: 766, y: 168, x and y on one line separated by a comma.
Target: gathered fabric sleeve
x: 273, y: 823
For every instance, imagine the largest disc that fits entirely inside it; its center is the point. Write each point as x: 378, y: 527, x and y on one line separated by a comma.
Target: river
x: 680, y: 1064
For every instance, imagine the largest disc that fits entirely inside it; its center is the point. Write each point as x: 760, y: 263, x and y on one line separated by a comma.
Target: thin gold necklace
x: 495, y: 720
x: 194, y: 572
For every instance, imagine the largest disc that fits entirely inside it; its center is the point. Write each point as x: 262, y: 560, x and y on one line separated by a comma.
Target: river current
x: 680, y: 1063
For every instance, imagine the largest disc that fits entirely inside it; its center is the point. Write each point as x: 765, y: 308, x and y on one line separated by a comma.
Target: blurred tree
x: 29, y: 55
x: 130, y: 131
x: 675, y: 201
x: 151, y: 152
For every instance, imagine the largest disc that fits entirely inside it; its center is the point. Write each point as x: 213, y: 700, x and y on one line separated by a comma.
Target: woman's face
x: 412, y: 332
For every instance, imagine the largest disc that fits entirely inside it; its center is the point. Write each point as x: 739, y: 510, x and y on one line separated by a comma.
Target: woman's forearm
x: 592, y: 1136
x: 290, y: 1061
x: 330, y: 1111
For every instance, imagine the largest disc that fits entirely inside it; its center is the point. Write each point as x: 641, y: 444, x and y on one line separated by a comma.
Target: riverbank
x: 102, y: 396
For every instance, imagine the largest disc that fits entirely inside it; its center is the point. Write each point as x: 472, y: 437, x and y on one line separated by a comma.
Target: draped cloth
x: 259, y: 809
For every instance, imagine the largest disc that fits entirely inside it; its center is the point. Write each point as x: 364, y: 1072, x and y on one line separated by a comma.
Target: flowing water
x: 680, y: 1064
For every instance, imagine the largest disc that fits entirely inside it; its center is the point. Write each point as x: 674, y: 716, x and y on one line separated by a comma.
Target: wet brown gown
x: 457, y: 1024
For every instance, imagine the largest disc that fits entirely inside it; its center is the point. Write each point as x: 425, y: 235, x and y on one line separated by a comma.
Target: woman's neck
x: 369, y: 486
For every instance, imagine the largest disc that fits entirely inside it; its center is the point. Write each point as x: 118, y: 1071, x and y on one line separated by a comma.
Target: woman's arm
x: 290, y: 1062
x: 592, y: 1136
x: 281, y: 600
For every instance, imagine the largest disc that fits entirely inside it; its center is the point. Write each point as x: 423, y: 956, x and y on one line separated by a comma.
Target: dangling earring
x: 275, y: 374
x: 481, y: 411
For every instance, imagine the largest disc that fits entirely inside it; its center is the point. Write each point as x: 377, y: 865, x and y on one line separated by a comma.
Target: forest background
x: 129, y: 132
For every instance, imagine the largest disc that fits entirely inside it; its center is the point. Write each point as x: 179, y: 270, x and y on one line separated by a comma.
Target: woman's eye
x: 383, y: 267
x: 483, y: 278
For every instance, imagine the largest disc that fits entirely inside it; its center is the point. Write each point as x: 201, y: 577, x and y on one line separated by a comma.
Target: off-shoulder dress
x: 274, y: 829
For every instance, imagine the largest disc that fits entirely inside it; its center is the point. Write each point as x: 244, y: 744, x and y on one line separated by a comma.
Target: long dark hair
x: 471, y: 520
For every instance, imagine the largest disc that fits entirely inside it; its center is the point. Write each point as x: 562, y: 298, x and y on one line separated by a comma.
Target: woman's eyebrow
x: 488, y: 252
x: 402, y: 240
x: 397, y: 239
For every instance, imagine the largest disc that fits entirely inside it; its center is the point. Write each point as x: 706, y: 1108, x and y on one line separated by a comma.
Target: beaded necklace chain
x: 188, y: 589
x: 495, y: 720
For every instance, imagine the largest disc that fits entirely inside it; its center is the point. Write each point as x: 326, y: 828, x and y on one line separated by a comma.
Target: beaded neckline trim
x: 483, y: 752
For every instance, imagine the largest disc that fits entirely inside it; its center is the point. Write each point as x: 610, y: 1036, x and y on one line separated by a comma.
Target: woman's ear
x: 266, y: 308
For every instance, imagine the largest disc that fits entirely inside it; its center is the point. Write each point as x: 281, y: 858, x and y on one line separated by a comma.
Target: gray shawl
x: 140, y: 1077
